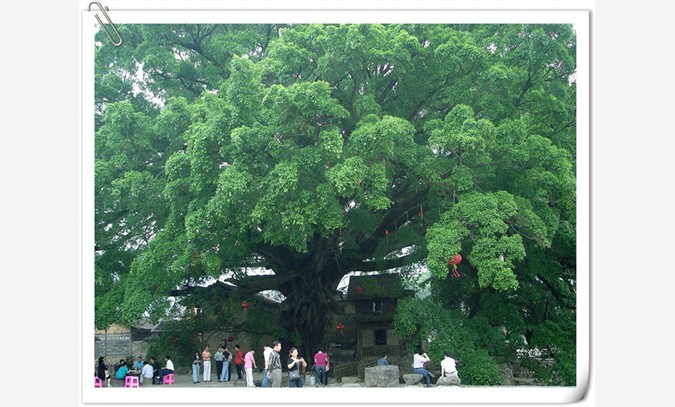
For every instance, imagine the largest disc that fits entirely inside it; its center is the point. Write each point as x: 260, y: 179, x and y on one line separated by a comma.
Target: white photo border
x: 339, y: 395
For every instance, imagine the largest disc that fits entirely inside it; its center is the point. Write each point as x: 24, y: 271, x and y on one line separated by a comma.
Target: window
x: 381, y: 337
x: 378, y: 306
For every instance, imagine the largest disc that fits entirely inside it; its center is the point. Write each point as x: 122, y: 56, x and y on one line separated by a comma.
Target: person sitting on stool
x: 168, y: 368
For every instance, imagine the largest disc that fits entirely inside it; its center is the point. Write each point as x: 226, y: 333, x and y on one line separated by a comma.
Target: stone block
x: 412, y: 378
x: 350, y: 379
x: 382, y: 376
x: 449, y: 381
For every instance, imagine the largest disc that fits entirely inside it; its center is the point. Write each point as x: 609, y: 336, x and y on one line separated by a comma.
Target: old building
x: 369, y: 309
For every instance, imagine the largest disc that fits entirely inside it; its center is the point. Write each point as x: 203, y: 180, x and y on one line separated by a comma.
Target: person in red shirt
x: 320, y: 359
x: 238, y: 361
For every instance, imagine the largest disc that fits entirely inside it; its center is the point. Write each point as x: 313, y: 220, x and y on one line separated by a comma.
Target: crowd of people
x: 151, y: 371
x: 145, y: 370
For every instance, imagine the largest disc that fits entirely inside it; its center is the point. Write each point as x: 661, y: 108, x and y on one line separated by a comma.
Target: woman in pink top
x: 206, y: 357
x: 249, y: 364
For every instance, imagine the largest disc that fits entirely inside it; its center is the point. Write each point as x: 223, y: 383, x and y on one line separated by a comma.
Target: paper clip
x: 103, y: 10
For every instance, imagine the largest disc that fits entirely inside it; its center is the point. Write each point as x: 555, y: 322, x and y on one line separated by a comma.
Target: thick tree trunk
x: 310, y: 303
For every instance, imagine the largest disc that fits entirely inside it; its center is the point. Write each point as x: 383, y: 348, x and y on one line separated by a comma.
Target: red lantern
x: 358, y: 289
x: 244, y: 305
x: 230, y: 338
x: 340, y: 327
x: 454, y: 261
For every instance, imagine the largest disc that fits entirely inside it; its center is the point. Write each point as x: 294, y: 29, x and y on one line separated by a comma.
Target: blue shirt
x: 382, y: 362
x: 121, y: 372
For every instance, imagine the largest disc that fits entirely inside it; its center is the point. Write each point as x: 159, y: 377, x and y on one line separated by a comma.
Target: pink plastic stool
x: 98, y: 382
x: 169, y: 379
x: 131, y: 381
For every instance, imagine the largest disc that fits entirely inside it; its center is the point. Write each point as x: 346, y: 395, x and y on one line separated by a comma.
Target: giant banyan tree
x: 312, y: 151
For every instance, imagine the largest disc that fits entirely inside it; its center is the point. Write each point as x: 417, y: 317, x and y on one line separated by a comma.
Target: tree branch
x: 410, y: 202
x: 388, y: 264
x: 564, y: 300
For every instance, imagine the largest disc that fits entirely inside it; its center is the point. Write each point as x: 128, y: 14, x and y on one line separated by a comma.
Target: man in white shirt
x: 168, y: 368
x: 147, y: 371
x: 419, y: 359
x: 448, y: 366
x: 266, y: 355
x: 449, y: 371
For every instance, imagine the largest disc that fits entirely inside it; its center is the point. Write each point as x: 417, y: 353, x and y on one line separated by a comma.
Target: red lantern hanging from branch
x: 358, y: 289
x: 454, y: 261
x: 340, y: 327
x: 244, y: 305
x: 230, y: 338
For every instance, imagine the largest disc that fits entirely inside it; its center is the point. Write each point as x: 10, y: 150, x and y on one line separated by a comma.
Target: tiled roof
x: 374, y: 286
